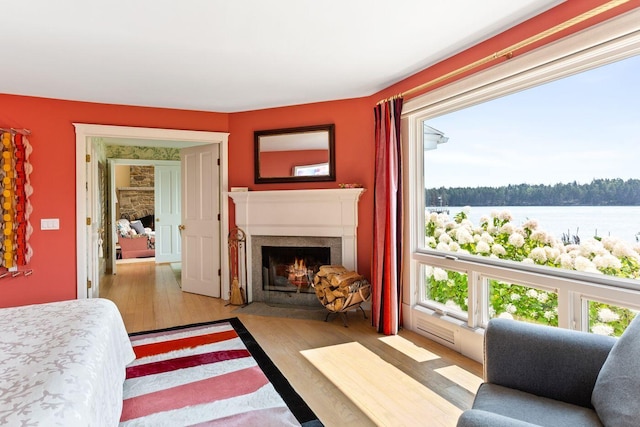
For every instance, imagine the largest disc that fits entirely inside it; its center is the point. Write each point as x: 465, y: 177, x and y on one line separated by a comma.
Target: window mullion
x: 477, y: 299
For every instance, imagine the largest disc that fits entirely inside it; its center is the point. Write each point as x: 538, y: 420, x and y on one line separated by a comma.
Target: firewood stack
x: 339, y: 289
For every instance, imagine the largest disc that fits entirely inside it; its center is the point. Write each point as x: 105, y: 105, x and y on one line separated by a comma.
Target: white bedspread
x: 62, y: 364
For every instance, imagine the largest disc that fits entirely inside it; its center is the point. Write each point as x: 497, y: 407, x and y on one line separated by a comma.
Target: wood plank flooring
x: 149, y: 297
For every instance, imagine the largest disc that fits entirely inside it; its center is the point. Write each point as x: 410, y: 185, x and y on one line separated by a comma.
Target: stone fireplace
x: 296, y: 219
x: 137, y: 200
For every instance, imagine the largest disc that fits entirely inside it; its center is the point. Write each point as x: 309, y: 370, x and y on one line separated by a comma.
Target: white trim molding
x: 181, y: 138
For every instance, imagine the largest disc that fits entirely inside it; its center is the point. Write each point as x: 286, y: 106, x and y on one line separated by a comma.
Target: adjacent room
x: 299, y: 213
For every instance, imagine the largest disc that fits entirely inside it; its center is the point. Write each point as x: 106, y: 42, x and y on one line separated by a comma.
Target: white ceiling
x: 235, y: 55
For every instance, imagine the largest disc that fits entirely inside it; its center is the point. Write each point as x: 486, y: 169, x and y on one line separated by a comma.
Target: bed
x: 63, y: 363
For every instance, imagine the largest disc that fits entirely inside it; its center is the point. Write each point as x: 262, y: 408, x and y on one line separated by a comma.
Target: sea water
x: 582, y: 221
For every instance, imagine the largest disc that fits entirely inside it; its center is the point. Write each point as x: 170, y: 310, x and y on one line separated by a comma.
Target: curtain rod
x: 508, y: 52
x: 20, y: 131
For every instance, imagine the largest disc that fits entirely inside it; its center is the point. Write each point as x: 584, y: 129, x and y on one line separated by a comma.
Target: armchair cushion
x: 540, y: 375
x: 557, y: 363
x: 137, y: 225
x: 615, y: 394
x: 124, y: 227
x: 480, y: 418
x: 529, y: 408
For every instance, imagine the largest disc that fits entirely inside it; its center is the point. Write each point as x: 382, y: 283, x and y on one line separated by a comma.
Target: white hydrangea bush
x: 498, y: 236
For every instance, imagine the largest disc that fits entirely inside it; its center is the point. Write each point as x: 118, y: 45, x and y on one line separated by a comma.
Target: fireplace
x: 296, y: 218
x: 292, y: 268
x: 278, y: 265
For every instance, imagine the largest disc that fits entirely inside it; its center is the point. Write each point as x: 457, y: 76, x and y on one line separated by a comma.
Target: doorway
x: 148, y: 192
x: 89, y: 138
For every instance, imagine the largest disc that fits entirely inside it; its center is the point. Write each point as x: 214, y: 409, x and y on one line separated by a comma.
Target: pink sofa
x: 135, y: 247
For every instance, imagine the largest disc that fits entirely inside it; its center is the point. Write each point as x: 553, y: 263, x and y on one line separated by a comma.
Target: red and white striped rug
x: 212, y: 374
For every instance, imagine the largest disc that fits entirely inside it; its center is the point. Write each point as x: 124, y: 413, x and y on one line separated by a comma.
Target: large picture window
x: 526, y: 194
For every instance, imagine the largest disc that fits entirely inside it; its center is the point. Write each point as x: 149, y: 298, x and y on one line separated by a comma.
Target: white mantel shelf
x: 323, y: 212
x: 313, y: 213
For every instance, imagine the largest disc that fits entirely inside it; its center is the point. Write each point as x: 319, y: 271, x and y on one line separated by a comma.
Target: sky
x: 580, y: 128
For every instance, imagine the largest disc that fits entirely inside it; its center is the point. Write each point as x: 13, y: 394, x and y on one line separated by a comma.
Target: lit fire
x: 299, y: 273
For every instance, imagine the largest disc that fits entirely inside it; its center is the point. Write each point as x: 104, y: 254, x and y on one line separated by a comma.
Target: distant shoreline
x: 583, y: 221
x: 599, y: 192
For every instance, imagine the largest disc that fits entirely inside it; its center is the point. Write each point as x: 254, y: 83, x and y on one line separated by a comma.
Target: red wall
x: 53, y: 180
x: 53, y: 158
x: 353, y: 119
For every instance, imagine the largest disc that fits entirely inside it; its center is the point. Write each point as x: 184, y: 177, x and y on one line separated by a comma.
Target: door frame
x: 111, y: 165
x: 88, y: 135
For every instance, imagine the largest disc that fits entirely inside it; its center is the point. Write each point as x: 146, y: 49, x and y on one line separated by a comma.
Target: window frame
x: 605, y: 43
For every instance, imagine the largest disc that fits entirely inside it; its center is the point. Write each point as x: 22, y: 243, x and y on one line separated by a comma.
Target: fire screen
x: 291, y: 269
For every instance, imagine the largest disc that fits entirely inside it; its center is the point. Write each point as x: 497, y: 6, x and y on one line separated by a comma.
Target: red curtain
x: 387, y: 223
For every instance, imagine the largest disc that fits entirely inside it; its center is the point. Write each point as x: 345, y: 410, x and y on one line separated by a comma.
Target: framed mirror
x: 302, y: 154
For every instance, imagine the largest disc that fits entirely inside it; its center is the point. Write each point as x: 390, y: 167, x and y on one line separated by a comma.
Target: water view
x: 585, y: 221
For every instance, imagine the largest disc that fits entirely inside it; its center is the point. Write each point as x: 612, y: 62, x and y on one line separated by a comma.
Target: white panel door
x: 167, y: 213
x: 201, y: 251
x: 93, y: 226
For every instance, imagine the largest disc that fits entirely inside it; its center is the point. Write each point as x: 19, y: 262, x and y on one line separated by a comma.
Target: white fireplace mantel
x: 319, y: 213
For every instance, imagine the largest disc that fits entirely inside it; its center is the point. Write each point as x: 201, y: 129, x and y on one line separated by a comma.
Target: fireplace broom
x: 237, y: 265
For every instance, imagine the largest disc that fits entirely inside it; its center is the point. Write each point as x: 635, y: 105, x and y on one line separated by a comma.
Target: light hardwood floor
x: 149, y: 297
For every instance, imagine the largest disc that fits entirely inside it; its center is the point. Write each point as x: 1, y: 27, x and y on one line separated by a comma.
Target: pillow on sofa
x: 615, y: 394
x: 137, y: 225
x: 124, y: 228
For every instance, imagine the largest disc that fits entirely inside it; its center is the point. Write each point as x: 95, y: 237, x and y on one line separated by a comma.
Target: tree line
x: 600, y: 192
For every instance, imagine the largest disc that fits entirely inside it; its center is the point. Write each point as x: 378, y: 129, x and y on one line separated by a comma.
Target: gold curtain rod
x: 508, y: 52
x: 20, y: 131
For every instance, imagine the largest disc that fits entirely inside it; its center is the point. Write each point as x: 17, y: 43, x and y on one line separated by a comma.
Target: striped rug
x: 210, y: 374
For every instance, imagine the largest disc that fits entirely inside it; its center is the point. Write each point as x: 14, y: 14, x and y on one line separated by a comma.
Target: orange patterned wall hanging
x: 16, y: 209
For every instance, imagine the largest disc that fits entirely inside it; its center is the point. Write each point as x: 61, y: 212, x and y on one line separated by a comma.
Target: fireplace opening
x: 292, y: 268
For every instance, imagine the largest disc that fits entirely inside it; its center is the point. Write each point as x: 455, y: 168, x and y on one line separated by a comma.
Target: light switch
x: 50, y: 224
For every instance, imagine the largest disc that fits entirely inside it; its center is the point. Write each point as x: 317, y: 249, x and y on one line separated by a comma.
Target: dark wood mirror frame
x: 262, y: 178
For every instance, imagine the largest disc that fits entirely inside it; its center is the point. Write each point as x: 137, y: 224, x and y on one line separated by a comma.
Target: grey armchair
x: 544, y: 376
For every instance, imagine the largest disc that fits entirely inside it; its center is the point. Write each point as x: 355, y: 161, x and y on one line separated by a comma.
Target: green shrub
x: 497, y: 236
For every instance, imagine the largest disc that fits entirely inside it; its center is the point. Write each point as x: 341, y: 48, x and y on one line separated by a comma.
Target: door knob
x: 181, y: 227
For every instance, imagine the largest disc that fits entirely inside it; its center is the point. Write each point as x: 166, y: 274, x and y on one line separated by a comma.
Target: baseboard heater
x: 435, y: 330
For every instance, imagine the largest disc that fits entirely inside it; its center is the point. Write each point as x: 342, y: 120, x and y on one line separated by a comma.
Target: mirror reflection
x: 295, y: 154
